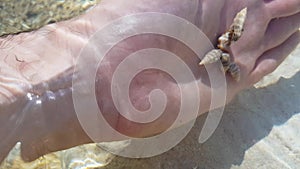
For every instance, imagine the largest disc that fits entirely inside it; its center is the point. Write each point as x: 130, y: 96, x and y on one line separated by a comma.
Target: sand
x: 23, y: 15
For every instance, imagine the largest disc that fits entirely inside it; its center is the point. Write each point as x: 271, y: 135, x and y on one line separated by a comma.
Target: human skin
x: 47, y: 56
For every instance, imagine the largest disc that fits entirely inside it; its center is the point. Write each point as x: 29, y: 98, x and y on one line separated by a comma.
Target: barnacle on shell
x: 238, y: 24
x: 235, y: 71
x: 211, y: 57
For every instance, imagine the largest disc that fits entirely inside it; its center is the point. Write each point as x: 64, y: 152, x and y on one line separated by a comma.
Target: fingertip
x: 282, y: 28
x: 271, y: 59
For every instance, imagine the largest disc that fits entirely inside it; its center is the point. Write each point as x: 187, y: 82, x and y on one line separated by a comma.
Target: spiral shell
x: 235, y: 71
x: 211, y: 57
x: 238, y: 24
x: 224, y: 41
x: 225, y: 60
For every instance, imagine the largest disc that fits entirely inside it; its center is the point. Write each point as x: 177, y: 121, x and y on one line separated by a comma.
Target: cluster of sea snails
x: 224, y: 41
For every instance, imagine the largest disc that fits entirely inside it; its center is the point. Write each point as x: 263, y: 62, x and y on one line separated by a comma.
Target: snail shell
x: 238, y: 24
x: 225, y: 60
x: 235, y: 71
x: 225, y: 40
x: 211, y: 57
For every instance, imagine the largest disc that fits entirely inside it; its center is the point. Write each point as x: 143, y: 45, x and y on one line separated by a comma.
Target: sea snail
x: 224, y: 41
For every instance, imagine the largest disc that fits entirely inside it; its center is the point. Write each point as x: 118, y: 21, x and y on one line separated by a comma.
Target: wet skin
x: 41, y: 63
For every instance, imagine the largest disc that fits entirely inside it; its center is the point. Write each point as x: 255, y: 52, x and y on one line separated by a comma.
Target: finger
x: 282, y: 28
x: 280, y: 8
x: 255, y: 27
x: 270, y: 60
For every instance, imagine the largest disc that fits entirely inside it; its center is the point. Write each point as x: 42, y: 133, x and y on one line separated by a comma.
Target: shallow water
x: 23, y: 15
x: 85, y: 156
x: 268, y: 139
x: 267, y: 135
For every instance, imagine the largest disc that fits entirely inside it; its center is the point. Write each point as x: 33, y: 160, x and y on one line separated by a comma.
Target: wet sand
x: 23, y: 15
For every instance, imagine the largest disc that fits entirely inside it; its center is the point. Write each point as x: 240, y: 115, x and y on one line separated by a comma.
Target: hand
x: 271, y: 33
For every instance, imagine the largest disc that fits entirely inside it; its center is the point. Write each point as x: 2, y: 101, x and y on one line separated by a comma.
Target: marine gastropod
x: 211, y: 57
x: 237, y: 26
x: 224, y: 41
x: 225, y: 60
x: 235, y: 71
